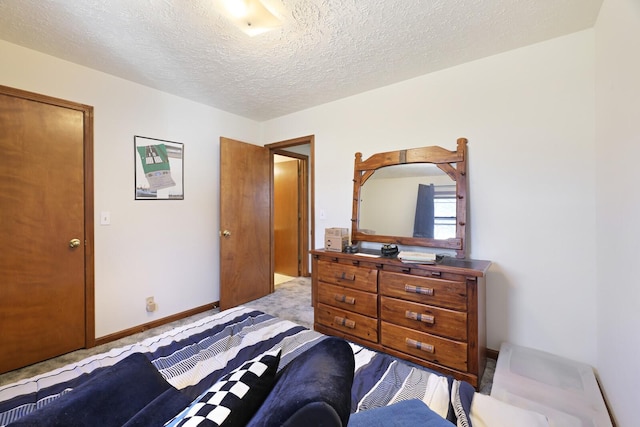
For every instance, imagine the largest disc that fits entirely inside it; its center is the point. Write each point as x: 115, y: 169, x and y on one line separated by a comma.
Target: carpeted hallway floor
x: 291, y: 300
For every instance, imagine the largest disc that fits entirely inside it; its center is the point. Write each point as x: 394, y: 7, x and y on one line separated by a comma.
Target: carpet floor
x: 291, y: 301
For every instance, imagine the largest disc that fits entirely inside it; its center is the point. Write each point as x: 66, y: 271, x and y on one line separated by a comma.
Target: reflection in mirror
x: 410, y: 200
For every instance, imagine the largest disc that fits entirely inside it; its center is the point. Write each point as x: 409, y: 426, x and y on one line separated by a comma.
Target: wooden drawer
x: 425, y: 346
x: 424, y: 318
x: 348, y: 299
x: 425, y: 290
x: 347, y: 322
x: 365, y: 279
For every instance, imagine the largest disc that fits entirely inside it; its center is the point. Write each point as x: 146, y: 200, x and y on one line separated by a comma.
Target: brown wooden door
x: 245, y: 223
x: 42, y: 208
x: 286, y: 217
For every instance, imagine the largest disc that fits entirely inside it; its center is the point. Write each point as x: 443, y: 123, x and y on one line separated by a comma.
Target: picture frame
x: 159, y: 169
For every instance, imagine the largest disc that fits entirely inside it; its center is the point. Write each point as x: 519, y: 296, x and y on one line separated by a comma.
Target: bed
x: 194, y: 357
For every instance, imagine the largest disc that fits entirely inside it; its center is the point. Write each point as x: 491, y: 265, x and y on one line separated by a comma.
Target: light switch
x: 105, y: 218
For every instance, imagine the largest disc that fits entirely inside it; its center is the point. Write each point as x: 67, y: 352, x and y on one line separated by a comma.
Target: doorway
x: 292, y: 207
x: 287, y: 217
x: 246, y: 223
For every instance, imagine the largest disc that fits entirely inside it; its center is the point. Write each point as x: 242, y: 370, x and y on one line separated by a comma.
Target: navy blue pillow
x: 160, y: 410
x: 110, y: 398
x: 412, y: 412
x: 313, y: 389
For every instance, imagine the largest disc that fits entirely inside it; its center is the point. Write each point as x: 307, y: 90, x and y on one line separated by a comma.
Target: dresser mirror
x: 413, y: 197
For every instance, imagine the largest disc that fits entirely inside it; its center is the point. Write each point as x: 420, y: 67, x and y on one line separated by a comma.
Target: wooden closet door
x: 286, y: 217
x: 42, y: 199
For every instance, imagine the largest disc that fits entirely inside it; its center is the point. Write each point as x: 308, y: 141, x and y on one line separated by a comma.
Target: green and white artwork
x: 159, y: 169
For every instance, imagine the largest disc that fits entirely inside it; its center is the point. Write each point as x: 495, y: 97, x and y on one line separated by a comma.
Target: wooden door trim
x: 309, y: 222
x: 89, y: 269
x: 303, y: 232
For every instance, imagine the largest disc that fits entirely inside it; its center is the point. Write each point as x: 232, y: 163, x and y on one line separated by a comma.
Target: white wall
x: 168, y: 249
x: 528, y: 115
x: 618, y: 204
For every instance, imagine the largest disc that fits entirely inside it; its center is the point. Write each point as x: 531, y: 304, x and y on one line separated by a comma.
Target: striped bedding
x: 194, y: 356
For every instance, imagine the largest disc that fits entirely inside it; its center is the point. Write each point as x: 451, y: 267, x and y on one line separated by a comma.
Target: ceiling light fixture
x: 253, y: 17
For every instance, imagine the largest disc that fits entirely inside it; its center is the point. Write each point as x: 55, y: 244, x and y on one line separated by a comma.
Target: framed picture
x: 159, y: 169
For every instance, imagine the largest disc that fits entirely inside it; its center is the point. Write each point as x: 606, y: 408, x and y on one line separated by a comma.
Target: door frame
x: 307, y: 232
x: 89, y: 268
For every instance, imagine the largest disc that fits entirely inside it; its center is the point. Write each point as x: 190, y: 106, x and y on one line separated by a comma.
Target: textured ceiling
x: 326, y: 49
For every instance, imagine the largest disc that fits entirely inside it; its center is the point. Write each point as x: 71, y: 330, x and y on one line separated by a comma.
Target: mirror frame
x: 453, y: 163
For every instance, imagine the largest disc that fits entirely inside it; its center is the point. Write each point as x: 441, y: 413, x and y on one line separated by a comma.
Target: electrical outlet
x: 151, y: 304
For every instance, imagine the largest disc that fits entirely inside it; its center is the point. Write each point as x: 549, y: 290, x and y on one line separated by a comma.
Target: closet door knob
x: 74, y: 243
x: 226, y: 233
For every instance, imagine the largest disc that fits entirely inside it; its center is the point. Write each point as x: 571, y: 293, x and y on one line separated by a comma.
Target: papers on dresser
x: 417, y: 257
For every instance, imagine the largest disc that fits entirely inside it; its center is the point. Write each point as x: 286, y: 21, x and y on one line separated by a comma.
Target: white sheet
x: 487, y: 411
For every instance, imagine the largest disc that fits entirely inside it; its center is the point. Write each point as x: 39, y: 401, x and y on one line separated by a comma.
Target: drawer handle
x: 351, y: 324
x: 420, y: 345
x: 345, y: 299
x: 346, y: 276
x: 418, y: 290
x: 425, y: 318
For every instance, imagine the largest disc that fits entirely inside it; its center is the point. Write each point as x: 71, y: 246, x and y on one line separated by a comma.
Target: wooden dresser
x: 432, y: 315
